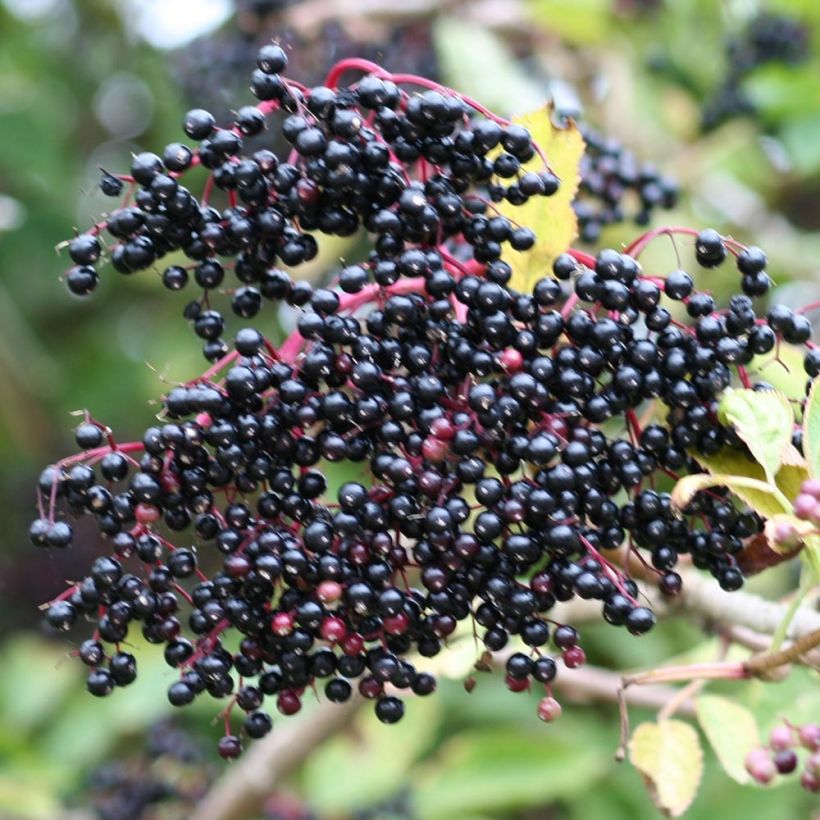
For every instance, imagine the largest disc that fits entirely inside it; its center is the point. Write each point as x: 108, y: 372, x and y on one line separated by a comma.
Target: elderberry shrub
x: 496, y: 432
x: 213, y: 69
x: 766, y: 38
x: 167, y: 774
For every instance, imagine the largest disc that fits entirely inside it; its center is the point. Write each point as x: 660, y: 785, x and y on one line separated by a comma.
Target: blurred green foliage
x: 642, y: 75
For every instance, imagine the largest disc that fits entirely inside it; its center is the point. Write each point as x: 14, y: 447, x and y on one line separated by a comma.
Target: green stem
x: 787, y: 505
x: 808, y: 577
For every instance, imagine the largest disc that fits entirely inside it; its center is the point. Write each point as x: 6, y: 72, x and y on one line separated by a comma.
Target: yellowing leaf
x: 731, y: 730
x: 552, y: 218
x: 733, y: 462
x: 811, y: 430
x: 687, y: 486
x: 763, y: 420
x: 669, y: 756
x: 791, y: 455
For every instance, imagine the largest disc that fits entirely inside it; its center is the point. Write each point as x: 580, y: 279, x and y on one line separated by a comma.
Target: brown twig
x: 760, y: 666
x: 245, y: 785
x: 592, y: 683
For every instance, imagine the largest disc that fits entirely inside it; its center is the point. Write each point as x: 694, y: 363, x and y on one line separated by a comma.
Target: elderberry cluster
x: 766, y: 38
x: 169, y: 773
x: 497, y: 445
x: 615, y: 186
x: 212, y: 70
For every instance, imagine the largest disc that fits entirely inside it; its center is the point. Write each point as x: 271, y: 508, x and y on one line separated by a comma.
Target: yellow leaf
x: 669, y: 757
x: 551, y: 218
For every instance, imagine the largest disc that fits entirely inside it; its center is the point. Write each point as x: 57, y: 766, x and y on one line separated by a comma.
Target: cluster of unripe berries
x: 781, y: 756
x: 495, y: 463
x: 807, y: 503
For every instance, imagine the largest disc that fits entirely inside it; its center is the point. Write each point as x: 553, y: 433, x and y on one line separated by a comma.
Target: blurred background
x: 721, y: 98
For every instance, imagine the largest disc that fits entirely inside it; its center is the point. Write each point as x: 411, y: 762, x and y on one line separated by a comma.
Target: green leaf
x: 687, y: 486
x: 580, y: 22
x: 781, y: 92
x: 23, y: 797
x: 811, y: 430
x: 669, y: 756
x: 783, y: 371
x: 478, y: 63
x: 25, y: 708
x: 732, y: 731
x: 371, y: 762
x: 551, y: 218
x: 796, y: 699
x: 496, y: 771
x: 763, y: 420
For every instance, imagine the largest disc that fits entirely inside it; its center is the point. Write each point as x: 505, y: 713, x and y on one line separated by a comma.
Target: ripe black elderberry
x: 474, y: 409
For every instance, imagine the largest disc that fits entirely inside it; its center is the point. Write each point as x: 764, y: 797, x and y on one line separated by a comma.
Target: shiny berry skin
x: 229, y: 747
x: 272, y: 59
x: 198, y: 123
x: 640, y: 620
x: 709, y: 248
x: 785, y: 761
x: 100, y: 683
x: 389, y: 709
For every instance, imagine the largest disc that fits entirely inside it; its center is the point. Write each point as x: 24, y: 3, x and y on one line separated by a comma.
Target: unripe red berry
x: 810, y: 736
x: 760, y: 766
x: 574, y: 657
x: 282, y: 624
x: 549, y: 709
x: 781, y: 737
x: 288, y: 703
x: 515, y: 684
x: 333, y: 629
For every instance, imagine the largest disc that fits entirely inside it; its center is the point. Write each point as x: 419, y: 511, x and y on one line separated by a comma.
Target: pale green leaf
x: 733, y: 462
x: 763, y: 420
x: 669, y: 756
x: 811, y: 430
x: 783, y: 370
x: 689, y: 485
x: 478, y: 63
x: 732, y: 731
